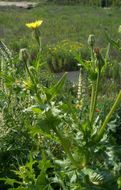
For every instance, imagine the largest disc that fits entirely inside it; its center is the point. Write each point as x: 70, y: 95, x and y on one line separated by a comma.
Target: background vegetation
x: 54, y: 29
x: 56, y: 136
x: 56, y: 19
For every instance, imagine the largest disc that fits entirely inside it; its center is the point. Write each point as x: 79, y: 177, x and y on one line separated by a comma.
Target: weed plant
x: 70, y: 146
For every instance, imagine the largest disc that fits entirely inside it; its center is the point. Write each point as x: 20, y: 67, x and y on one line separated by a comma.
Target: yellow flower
x: 34, y: 25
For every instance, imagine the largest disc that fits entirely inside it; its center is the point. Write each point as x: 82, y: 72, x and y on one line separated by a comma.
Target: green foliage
x: 15, y: 95
x: 61, y: 57
x: 27, y: 175
x: 68, y: 143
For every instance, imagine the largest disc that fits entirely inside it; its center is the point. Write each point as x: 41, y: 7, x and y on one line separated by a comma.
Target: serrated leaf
x: 9, y: 181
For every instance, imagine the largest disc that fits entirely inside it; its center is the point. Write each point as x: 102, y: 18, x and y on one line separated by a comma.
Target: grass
x: 60, y: 22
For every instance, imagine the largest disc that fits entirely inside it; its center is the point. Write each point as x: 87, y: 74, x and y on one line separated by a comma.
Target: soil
x: 72, y: 76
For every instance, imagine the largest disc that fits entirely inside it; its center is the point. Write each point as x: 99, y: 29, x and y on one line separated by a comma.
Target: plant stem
x: 102, y: 129
x: 94, y: 99
x: 33, y: 81
x: 65, y: 147
x: 92, y: 54
x: 37, y: 37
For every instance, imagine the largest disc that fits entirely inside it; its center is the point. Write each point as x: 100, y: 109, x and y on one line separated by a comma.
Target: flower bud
x: 24, y: 55
x: 97, y: 53
x: 119, y: 29
x: 91, y: 40
x: 100, y: 60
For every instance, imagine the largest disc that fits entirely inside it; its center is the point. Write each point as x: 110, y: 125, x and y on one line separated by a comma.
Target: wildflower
x: 78, y: 106
x: 34, y: 25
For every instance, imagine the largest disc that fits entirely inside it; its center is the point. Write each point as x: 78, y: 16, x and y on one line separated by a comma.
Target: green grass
x: 60, y: 22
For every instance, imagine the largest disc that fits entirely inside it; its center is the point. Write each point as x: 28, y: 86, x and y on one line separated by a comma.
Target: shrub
x: 61, y: 57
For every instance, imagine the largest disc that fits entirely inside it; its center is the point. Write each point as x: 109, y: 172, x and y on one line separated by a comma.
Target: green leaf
x: 119, y: 182
x: 36, y: 108
x: 9, y: 181
x: 56, y: 89
x: 30, y: 163
x: 41, y: 181
x: 44, y: 163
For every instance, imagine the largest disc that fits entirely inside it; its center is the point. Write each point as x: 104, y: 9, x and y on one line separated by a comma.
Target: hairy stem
x: 92, y: 54
x: 94, y: 99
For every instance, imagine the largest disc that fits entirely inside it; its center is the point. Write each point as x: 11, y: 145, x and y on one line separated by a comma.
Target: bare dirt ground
x: 22, y: 4
x: 72, y: 76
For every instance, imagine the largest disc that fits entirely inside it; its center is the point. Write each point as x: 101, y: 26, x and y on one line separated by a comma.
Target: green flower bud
x: 24, y: 55
x: 91, y: 40
x: 119, y: 29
